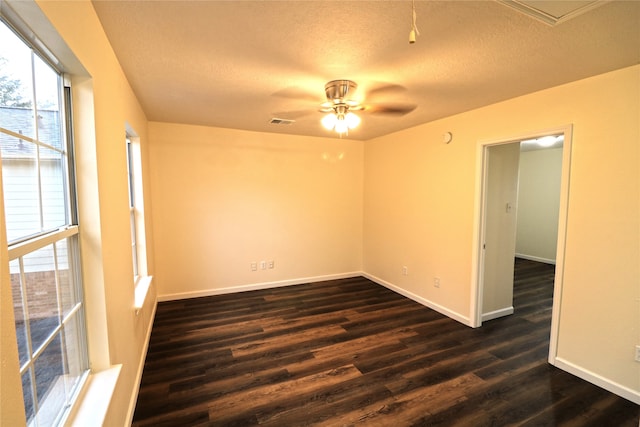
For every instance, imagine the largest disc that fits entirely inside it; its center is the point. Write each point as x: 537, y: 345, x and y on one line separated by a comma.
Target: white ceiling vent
x: 553, y: 12
x: 276, y: 121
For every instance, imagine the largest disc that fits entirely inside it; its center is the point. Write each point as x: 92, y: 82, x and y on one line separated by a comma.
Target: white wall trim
x: 256, y: 286
x: 427, y: 303
x: 92, y: 405
x: 497, y: 313
x: 141, y: 291
x: 267, y: 285
x: 600, y: 381
x: 563, y: 214
x: 141, y: 363
x: 537, y: 259
x: 477, y: 261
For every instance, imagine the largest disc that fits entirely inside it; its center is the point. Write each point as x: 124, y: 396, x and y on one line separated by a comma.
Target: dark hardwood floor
x: 351, y: 352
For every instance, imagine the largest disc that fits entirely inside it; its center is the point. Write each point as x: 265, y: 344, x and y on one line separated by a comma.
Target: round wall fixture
x: 447, y: 137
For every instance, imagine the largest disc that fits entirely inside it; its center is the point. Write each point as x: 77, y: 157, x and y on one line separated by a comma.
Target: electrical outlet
x: 638, y: 353
x: 271, y: 264
x: 263, y: 265
x: 405, y: 270
x: 254, y: 266
x: 436, y: 282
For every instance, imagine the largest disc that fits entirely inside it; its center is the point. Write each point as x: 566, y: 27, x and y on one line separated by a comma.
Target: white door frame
x: 479, y: 219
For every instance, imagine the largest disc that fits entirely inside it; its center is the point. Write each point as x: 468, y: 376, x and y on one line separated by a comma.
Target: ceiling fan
x: 340, y: 104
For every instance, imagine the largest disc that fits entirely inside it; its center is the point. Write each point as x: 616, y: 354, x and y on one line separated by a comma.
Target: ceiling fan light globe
x: 352, y: 120
x: 329, y: 121
x: 341, y: 126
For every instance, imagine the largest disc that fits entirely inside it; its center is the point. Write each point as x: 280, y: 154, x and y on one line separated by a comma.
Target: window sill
x: 95, y: 399
x: 142, y: 290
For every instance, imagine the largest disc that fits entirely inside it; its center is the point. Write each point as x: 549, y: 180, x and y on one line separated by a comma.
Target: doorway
x: 496, y: 208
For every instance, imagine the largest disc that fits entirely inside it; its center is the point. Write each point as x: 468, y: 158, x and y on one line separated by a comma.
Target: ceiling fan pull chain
x: 414, y: 28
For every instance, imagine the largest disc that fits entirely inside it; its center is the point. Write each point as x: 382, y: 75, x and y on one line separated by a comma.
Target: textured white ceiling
x: 237, y: 64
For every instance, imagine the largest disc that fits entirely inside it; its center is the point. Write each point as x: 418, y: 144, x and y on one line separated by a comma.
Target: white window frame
x: 141, y: 279
x: 132, y: 180
x: 22, y: 246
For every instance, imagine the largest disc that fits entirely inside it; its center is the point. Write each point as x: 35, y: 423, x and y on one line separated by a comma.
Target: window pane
x: 30, y: 207
x: 16, y: 89
x: 42, y: 297
x: 74, y: 352
x: 27, y: 395
x: 130, y: 170
x: 18, y: 312
x: 134, y: 246
x: 47, y: 103
x: 68, y: 288
x: 52, y: 172
x: 20, y: 182
x: 132, y: 208
x: 49, y: 368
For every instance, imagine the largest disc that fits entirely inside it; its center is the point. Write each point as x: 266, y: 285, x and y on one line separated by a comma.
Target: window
x: 132, y: 208
x: 136, y: 218
x: 42, y: 230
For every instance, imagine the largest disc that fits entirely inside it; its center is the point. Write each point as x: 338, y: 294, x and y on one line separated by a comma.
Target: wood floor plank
x: 298, y: 391
x: 266, y: 345
x: 316, y: 364
x: 324, y: 404
x: 350, y: 352
x: 362, y: 343
x: 376, y: 414
x: 435, y: 398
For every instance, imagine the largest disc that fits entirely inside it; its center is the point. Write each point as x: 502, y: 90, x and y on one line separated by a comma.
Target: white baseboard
x: 267, y: 285
x: 420, y: 300
x: 536, y: 258
x: 593, y: 378
x: 141, y: 362
x: 255, y: 286
x: 497, y: 313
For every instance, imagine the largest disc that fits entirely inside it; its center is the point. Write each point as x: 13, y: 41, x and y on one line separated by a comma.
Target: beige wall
x: 225, y: 198
x: 104, y: 104
x: 419, y: 211
x: 538, y: 204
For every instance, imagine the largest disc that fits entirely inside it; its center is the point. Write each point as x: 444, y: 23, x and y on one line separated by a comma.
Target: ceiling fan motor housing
x: 338, y: 90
